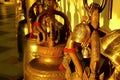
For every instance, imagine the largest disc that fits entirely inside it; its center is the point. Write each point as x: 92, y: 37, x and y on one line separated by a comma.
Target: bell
x: 22, y: 30
x: 81, y: 33
x: 110, y: 46
x: 30, y: 50
x: 49, y: 57
x: 86, y: 52
x: 46, y: 66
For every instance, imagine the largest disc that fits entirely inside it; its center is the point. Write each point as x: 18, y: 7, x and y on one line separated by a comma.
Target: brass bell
x: 81, y: 33
x: 48, y: 47
x: 30, y: 50
x: 110, y: 47
x: 22, y: 30
x: 86, y: 52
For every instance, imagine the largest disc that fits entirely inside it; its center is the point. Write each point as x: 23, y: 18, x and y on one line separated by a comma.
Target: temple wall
x: 74, y: 9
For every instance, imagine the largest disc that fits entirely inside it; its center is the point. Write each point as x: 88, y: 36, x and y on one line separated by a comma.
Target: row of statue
x: 54, y: 52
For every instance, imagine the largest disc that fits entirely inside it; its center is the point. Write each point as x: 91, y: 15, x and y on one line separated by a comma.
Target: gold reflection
x: 114, y: 22
x: 33, y: 48
x: 114, y: 57
x: 48, y: 60
x: 26, y: 29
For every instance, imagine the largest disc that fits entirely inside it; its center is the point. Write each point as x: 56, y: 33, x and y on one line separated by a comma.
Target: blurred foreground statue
x: 93, y: 51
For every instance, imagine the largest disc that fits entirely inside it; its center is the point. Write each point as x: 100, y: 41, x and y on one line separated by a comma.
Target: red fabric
x: 36, y: 24
x: 31, y: 35
x: 61, y: 67
x: 72, y: 50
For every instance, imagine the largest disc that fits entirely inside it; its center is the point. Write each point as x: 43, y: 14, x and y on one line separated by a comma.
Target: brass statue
x: 94, y: 45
